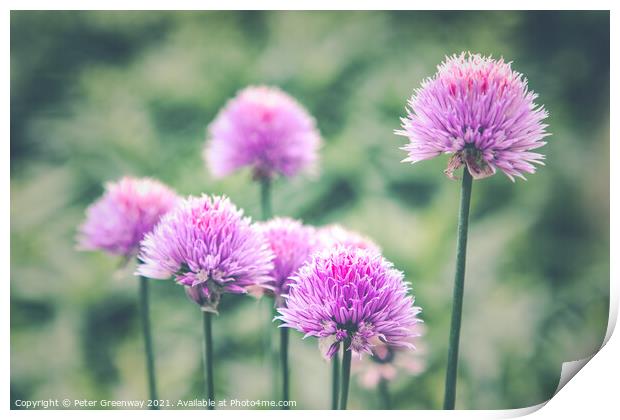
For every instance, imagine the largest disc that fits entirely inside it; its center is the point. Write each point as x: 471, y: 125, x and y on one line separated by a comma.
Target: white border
x: 310, y: 5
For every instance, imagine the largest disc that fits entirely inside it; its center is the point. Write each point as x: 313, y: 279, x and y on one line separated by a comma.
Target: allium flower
x: 388, y: 361
x: 209, y: 247
x: 353, y: 296
x: 479, y: 110
x: 331, y: 236
x: 265, y: 129
x: 129, y: 209
x: 292, y: 244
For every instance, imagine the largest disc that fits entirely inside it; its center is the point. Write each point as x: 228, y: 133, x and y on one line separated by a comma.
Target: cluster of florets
x: 207, y: 245
x: 128, y: 210
x: 350, y: 296
x: 265, y: 129
x: 479, y: 110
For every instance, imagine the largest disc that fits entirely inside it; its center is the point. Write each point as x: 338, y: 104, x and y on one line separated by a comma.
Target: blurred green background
x: 96, y: 95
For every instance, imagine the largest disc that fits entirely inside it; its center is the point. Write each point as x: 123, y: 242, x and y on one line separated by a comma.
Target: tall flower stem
x: 270, y: 354
x: 148, y: 342
x: 346, y: 375
x: 335, y: 379
x: 265, y: 198
x: 384, y: 393
x: 208, y: 359
x: 284, y: 364
x: 457, y: 298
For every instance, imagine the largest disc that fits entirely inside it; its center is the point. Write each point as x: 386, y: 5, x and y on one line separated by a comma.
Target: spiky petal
x: 207, y: 245
x: 292, y: 244
x: 333, y: 235
x: 265, y: 129
x: 388, y: 361
x: 129, y: 208
x: 352, y: 296
x: 479, y: 110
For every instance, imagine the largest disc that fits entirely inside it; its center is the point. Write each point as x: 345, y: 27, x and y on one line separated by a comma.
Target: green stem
x: 335, y: 378
x: 457, y: 299
x: 284, y: 364
x: 208, y: 359
x: 346, y: 375
x: 384, y: 393
x: 265, y: 198
x: 269, y: 342
x: 148, y: 342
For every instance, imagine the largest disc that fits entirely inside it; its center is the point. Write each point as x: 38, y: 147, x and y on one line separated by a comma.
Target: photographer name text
x: 144, y: 404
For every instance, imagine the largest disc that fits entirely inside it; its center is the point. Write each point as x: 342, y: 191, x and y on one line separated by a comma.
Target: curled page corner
x: 571, y: 368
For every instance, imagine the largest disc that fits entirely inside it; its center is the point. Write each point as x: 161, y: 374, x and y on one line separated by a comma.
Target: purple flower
x: 129, y: 209
x: 292, y: 244
x: 479, y: 110
x: 388, y: 361
x: 353, y: 296
x: 265, y: 129
x: 331, y: 236
x: 209, y: 247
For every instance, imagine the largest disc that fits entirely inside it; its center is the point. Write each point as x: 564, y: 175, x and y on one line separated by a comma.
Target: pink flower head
x: 209, y: 247
x: 331, y: 236
x: 265, y: 129
x: 388, y: 361
x: 292, y: 244
x: 353, y: 296
x: 479, y: 110
x: 128, y: 209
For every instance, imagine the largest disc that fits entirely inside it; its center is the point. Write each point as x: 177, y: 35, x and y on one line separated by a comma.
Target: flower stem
x: 335, y: 378
x: 269, y: 343
x: 148, y: 342
x: 269, y: 350
x: 208, y: 359
x: 284, y: 364
x: 457, y: 299
x: 384, y: 393
x: 265, y: 198
x: 346, y: 375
